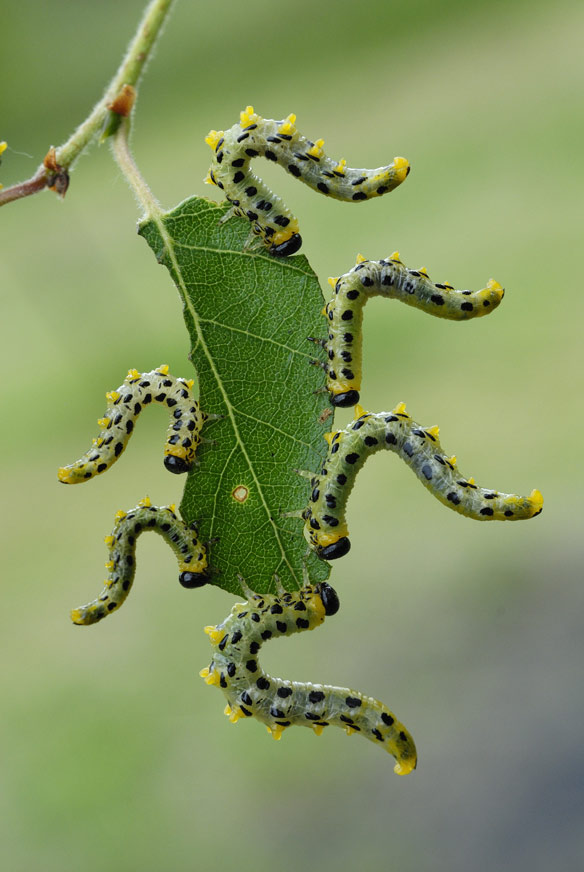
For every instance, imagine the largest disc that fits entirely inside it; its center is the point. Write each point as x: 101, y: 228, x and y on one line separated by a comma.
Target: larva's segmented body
x: 117, y: 425
x: 279, y: 141
x: 387, y: 278
x: 279, y: 704
x: 183, y: 540
x: 325, y: 523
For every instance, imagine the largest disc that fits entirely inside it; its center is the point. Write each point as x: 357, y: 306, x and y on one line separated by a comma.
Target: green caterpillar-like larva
x: 117, y: 425
x: 387, y: 278
x: 279, y: 141
x: 325, y: 525
x: 279, y: 704
x: 191, y: 556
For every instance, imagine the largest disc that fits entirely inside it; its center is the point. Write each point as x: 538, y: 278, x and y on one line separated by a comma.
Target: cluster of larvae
x: 124, y: 405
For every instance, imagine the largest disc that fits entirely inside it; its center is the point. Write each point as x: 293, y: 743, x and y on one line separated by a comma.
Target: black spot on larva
x: 284, y: 692
x: 352, y: 295
x: 276, y: 609
x: 118, y: 448
x: 453, y: 498
x: 348, y: 338
x: 387, y: 719
x: 276, y: 712
x: 353, y: 702
x: 487, y: 511
x: 238, y: 162
x: 408, y: 449
x: 438, y: 299
x: 238, y: 177
x: 302, y: 623
x: 251, y: 191
x: 281, y: 626
x: 390, y: 439
x: 508, y: 513
x: 360, y: 195
x: 251, y: 666
x: 427, y: 471
x: 486, y: 302
x: 352, y: 458
x: 467, y: 307
x: 267, y: 634
x: 345, y: 719
x: 359, y: 181
x: 341, y: 478
x: 102, y: 467
x: 322, y: 188
x: 236, y: 637
x: 377, y: 735
x: 263, y: 683
x: 294, y: 170
x: 270, y: 155
x: 299, y: 607
x: 370, y: 441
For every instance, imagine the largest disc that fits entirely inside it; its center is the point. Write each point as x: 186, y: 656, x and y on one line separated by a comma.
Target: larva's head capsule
x: 175, y: 464
x: 345, y: 400
x: 338, y: 549
x: 329, y: 597
x: 290, y: 246
x: 191, y: 580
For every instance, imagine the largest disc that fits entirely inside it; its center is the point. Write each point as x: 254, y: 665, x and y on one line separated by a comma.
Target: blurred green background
x: 114, y: 754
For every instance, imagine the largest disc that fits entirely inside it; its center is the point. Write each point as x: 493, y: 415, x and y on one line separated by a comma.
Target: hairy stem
x: 125, y: 161
x: 128, y: 73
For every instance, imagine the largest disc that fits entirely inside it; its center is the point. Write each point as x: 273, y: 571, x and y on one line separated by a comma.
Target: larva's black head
x: 291, y: 246
x: 175, y: 464
x: 338, y: 549
x: 191, y: 580
x: 344, y: 401
x: 330, y: 599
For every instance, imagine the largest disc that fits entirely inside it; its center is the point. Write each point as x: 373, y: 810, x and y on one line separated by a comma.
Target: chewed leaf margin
x: 248, y: 316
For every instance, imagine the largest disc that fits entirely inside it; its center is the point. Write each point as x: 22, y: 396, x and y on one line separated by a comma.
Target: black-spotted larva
x: 279, y: 141
x: 184, y: 541
x: 279, y: 704
x: 117, y: 425
x: 325, y: 525
x: 386, y: 278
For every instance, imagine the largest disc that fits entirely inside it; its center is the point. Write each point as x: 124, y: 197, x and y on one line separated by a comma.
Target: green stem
x: 128, y: 73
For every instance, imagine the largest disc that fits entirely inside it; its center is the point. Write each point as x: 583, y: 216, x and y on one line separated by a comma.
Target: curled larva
x: 121, y: 565
x: 279, y: 141
x: 325, y: 525
x: 279, y: 704
x: 117, y: 424
x: 386, y: 278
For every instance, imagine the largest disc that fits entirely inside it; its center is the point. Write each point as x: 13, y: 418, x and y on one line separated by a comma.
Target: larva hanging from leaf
x: 117, y: 424
x: 386, y: 278
x: 279, y: 704
x: 279, y: 141
x: 121, y: 565
x: 325, y: 523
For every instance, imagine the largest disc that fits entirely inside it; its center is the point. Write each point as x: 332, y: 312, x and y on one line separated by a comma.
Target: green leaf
x: 248, y: 316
